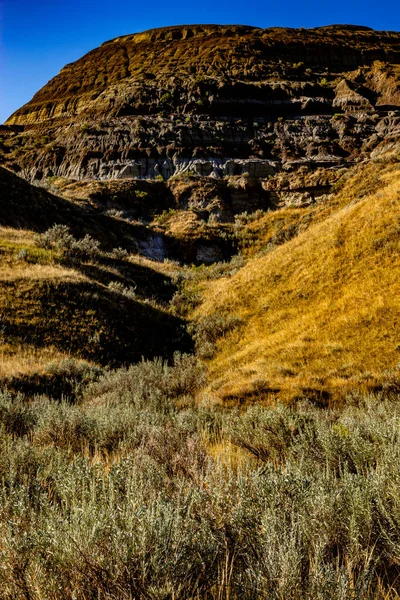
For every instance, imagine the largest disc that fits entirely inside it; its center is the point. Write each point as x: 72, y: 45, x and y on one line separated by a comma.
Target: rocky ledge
x: 214, y: 101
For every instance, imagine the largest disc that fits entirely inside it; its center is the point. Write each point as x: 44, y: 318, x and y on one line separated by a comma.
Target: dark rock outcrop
x: 213, y: 101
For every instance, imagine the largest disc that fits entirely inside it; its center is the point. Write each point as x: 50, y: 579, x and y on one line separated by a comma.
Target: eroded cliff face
x: 213, y: 101
x: 231, y: 70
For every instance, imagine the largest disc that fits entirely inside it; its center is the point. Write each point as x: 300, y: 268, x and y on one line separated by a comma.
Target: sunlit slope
x: 320, y: 314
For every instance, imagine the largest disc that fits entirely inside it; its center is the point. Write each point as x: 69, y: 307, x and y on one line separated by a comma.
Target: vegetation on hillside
x: 319, y: 314
x: 264, y: 464
x: 130, y: 489
x: 63, y: 297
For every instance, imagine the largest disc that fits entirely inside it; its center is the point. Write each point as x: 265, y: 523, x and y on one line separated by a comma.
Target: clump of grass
x: 16, y: 416
x: 86, y: 246
x: 153, y: 384
x: 119, y: 288
x: 166, y: 98
x: 22, y: 254
x: 114, y: 213
x: 244, y: 218
x: 60, y: 237
x: 119, y: 253
x: 207, y: 330
x: 74, y: 374
x: 184, y: 301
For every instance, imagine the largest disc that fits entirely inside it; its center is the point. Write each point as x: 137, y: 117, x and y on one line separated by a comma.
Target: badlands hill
x: 186, y: 146
x: 212, y: 100
x: 224, y: 200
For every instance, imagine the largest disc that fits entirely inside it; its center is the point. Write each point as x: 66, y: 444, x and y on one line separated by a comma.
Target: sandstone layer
x: 214, y: 101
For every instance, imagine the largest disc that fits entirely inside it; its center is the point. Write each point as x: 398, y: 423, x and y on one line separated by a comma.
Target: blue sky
x: 38, y: 37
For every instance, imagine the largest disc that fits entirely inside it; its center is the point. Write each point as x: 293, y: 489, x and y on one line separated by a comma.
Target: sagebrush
x: 139, y: 491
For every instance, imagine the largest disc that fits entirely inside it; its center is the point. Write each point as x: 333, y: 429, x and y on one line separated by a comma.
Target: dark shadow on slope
x: 147, y: 282
x: 55, y: 386
x: 88, y: 321
x: 24, y: 206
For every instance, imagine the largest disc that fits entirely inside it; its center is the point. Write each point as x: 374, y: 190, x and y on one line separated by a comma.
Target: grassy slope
x: 320, y: 313
x: 51, y: 310
x: 54, y: 306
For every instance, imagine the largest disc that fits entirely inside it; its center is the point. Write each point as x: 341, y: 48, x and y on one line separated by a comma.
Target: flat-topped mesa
x: 213, y: 100
x: 183, y: 32
x: 196, y: 53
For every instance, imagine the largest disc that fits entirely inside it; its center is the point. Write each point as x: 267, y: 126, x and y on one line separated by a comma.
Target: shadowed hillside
x: 69, y: 295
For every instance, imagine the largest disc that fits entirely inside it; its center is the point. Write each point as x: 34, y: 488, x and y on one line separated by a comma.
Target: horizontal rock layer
x: 175, y: 66
x: 214, y: 101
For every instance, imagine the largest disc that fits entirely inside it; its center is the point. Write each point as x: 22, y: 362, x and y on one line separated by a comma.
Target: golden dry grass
x: 38, y: 263
x: 26, y: 271
x: 26, y: 359
x: 320, y: 313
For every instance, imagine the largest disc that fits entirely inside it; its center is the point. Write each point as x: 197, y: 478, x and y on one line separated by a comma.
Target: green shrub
x: 60, y: 237
x: 133, y: 494
x: 206, y: 332
x: 74, y: 374
x: 114, y: 213
x: 16, y: 416
x: 119, y: 253
x: 66, y: 426
x: 183, y: 301
x: 120, y: 288
x: 165, y: 216
x: 57, y: 236
x: 141, y: 194
x: 166, y: 98
x: 22, y: 254
x: 151, y: 385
